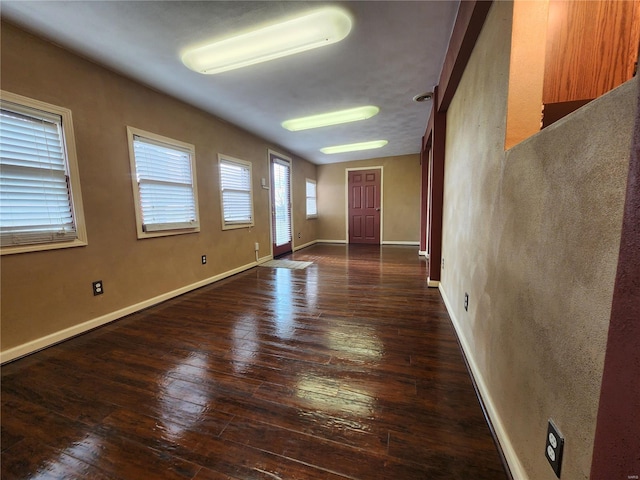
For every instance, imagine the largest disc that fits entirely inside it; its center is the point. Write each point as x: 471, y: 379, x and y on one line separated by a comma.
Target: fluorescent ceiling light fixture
x: 331, y: 118
x: 354, y: 147
x: 316, y: 29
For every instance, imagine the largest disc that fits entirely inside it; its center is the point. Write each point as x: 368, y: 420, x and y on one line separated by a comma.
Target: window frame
x: 68, y: 143
x: 154, y: 138
x: 231, y: 225
x: 307, y: 197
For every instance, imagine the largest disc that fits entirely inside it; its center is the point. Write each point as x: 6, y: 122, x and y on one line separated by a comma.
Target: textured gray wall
x: 532, y: 235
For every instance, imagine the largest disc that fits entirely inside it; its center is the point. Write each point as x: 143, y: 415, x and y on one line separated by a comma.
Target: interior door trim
x: 274, y: 154
x: 346, y: 199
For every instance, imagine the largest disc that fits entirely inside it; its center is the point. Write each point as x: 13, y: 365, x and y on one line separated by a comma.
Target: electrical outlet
x: 299, y: 235
x: 257, y: 246
x: 466, y: 301
x: 98, y: 288
x: 204, y: 259
x: 554, y: 446
x: 443, y: 263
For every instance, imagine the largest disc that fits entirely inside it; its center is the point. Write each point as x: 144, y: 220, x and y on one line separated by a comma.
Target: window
x: 41, y: 202
x: 235, y: 190
x: 164, y: 184
x: 312, y: 199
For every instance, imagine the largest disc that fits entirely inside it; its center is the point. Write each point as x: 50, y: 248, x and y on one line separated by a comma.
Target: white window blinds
x: 235, y: 187
x: 165, y: 180
x: 36, y: 203
x: 282, y: 201
x: 312, y: 205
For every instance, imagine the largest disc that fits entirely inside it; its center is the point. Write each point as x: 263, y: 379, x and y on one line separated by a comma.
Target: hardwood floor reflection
x: 348, y: 369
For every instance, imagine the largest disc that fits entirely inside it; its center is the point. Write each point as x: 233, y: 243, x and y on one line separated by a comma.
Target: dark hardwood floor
x: 347, y: 369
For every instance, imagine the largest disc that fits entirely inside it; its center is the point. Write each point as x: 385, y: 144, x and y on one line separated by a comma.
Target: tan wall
x: 401, y: 198
x: 304, y: 231
x: 46, y: 292
x: 533, y: 236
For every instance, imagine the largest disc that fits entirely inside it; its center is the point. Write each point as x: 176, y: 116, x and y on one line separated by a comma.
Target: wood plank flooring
x: 348, y: 369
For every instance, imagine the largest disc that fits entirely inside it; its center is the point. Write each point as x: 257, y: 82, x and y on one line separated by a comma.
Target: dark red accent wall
x: 616, y: 453
x: 424, y: 196
x: 469, y: 22
x: 437, y: 191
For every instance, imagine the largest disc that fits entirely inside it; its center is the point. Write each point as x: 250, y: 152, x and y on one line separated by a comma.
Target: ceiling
x: 394, y: 52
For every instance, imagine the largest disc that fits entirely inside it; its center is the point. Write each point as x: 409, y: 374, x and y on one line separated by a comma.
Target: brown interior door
x: 364, y: 206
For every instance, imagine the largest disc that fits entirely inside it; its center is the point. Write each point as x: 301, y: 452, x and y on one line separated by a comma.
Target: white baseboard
x: 332, y: 241
x: 264, y: 259
x: 517, y: 470
x: 57, y: 337
x: 385, y: 242
x: 400, y: 242
x: 433, y: 283
x: 308, y: 244
x: 423, y: 253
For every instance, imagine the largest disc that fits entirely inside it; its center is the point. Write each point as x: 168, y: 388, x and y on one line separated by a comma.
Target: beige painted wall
x: 533, y: 235
x: 400, y: 202
x: 304, y: 230
x: 47, y: 292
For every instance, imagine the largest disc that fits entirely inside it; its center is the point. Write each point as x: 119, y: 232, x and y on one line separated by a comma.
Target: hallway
x: 347, y: 369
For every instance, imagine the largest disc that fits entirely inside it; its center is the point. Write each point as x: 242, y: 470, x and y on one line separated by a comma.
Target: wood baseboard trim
x: 305, y: 245
x: 264, y: 259
x: 332, y: 241
x: 513, y: 466
x: 67, y: 333
x: 400, y: 242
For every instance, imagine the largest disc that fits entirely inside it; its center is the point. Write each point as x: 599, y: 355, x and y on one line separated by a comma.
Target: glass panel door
x: 281, y: 205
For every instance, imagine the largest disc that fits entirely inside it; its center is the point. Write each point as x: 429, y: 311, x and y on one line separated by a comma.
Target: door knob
x: 377, y: 209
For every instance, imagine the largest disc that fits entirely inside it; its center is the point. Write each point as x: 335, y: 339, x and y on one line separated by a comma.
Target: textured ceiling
x: 395, y: 51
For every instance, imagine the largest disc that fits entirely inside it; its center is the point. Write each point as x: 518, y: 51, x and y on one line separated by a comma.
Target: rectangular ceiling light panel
x: 316, y: 29
x: 354, y: 147
x: 331, y: 118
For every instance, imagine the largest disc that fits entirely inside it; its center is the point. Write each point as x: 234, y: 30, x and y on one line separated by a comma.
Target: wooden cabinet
x: 591, y: 48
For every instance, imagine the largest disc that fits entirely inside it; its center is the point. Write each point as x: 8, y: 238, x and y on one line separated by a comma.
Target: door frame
x: 346, y: 199
x: 270, y: 155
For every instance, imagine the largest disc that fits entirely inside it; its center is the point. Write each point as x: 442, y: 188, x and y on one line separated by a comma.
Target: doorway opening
x: 280, y: 168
